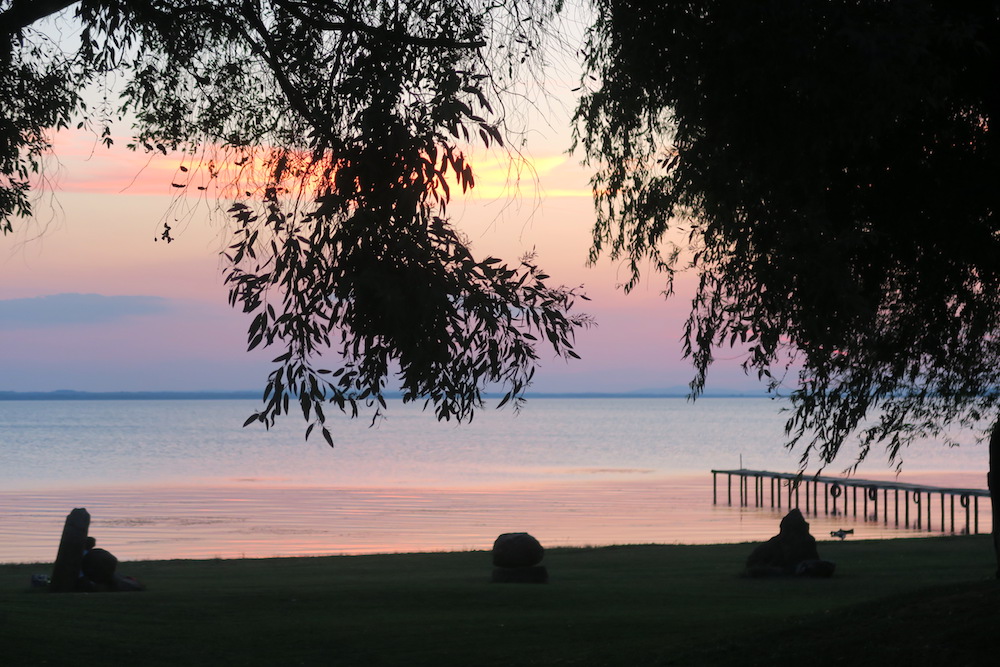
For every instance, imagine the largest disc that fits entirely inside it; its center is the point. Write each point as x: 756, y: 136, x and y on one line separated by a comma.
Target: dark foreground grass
x: 916, y: 601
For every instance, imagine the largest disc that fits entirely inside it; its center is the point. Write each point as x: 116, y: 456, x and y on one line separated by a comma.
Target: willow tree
x: 336, y: 130
x: 834, y: 167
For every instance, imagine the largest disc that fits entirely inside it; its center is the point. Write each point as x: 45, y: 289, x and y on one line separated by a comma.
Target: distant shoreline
x: 69, y: 395
x: 65, y: 395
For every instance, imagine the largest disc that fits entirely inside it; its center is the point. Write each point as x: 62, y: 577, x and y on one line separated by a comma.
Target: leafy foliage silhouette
x: 835, y: 167
x: 344, y: 123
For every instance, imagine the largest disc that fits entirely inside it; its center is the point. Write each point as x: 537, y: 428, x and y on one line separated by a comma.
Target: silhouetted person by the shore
x: 791, y: 551
x: 81, y: 565
x: 98, y: 567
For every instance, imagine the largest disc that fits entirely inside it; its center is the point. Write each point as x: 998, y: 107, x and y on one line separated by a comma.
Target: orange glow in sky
x: 101, y: 211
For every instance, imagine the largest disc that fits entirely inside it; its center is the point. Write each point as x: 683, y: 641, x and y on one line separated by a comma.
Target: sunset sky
x: 91, y: 301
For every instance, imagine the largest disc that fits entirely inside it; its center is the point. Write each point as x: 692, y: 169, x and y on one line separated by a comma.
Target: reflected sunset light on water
x: 256, y: 520
x: 182, y: 479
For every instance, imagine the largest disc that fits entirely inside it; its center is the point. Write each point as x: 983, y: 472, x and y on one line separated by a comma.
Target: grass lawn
x: 929, y: 601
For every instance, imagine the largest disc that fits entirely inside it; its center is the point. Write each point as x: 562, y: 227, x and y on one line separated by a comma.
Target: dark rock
x: 535, y: 574
x: 66, y: 570
x: 517, y: 550
x: 791, y: 551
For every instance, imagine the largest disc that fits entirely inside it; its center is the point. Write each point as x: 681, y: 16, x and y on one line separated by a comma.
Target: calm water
x: 167, y: 479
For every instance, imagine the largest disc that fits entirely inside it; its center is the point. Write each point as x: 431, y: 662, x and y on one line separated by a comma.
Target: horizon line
x: 73, y: 394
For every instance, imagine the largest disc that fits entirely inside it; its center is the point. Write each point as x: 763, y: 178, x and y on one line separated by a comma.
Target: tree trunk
x: 993, y: 481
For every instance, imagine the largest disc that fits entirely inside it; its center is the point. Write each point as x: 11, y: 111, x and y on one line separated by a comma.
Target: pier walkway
x: 844, y: 491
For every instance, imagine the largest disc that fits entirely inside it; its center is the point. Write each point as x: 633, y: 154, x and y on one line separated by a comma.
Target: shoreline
x: 253, y: 520
x: 485, y: 551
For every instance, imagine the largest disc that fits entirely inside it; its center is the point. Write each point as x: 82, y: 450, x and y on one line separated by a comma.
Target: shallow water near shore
x: 253, y: 521
x: 181, y: 479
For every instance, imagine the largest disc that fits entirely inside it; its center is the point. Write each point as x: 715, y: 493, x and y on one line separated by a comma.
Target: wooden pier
x: 842, y: 491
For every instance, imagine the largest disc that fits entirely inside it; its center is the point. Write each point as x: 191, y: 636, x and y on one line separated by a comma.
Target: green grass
x: 917, y: 601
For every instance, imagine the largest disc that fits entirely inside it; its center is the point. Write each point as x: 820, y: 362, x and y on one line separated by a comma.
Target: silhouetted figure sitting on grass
x: 98, y: 567
x: 791, y: 551
x: 81, y: 566
x: 99, y: 571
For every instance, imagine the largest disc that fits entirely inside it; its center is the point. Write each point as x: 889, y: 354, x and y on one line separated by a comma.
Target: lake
x: 183, y: 479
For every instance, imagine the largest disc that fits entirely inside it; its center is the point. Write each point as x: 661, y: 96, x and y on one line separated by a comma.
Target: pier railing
x: 843, y: 492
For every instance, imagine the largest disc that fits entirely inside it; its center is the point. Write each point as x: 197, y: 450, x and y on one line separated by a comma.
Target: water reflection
x: 257, y: 520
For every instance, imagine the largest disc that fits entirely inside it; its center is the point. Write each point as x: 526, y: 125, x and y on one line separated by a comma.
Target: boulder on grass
x: 516, y: 558
x: 517, y: 550
x: 66, y: 570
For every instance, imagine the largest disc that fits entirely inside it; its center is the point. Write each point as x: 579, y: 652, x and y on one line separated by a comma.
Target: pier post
x: 942, y: 511
x: 930, y: 509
